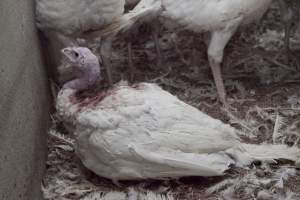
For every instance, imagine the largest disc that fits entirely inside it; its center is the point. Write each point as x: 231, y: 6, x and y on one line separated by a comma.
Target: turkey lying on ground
x: 142, y: 131
x: 220, y: 18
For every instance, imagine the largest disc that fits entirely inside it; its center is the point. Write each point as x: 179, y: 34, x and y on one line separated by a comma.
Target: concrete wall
x: 24, y: 103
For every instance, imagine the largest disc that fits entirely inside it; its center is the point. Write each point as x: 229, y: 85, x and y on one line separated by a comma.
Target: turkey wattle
x: 142, y: 131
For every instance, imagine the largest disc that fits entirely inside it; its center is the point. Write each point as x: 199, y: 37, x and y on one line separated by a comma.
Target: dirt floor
x: 263, y: 92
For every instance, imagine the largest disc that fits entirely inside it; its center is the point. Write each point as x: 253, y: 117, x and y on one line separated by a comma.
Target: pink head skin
x: 86, y: 63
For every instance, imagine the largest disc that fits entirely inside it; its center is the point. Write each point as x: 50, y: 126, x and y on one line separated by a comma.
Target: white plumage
x: 63, y: 21
x: 71, y: 18
x: 142, y: 131
x: 77, y: 16
x: 220, y: 18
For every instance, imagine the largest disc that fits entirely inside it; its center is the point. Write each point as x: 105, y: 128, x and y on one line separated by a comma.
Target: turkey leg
x: 218, y: 41
x: 106, y: 48
x: 286, y: 17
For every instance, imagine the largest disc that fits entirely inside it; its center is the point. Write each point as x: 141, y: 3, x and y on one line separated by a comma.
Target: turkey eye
x: 76, y: 54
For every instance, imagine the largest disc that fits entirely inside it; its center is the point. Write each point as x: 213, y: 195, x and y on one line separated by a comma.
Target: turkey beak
x: 70, y: 54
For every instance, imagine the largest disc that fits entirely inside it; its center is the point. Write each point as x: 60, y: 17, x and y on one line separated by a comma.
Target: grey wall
x: 23, y: 103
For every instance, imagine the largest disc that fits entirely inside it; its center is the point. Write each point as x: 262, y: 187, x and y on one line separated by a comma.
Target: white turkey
x: 142, y: 131
x: 220, y: 18
x: 63, y: 21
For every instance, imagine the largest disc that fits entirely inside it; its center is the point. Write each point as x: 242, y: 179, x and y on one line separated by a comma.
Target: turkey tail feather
x: 265, y: 152
x: 139, y: 15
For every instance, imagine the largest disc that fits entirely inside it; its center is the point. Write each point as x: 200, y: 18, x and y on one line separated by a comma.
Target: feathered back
x: 142, y: 131
x: 73, y: 16
x: 209, y: 15
x: 151, y: 108
x: 195, y: 15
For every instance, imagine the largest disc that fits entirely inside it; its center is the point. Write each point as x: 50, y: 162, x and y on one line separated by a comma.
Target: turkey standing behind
x: 142, y: 131
x: 220, y: 18
x: 64, y: 21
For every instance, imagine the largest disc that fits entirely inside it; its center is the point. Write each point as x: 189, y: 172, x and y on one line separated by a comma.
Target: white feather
x: 76, y: 16
x: 279, y: 122
x: 145, y: 132
x: 132, y: 194
x: 204, y: 15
